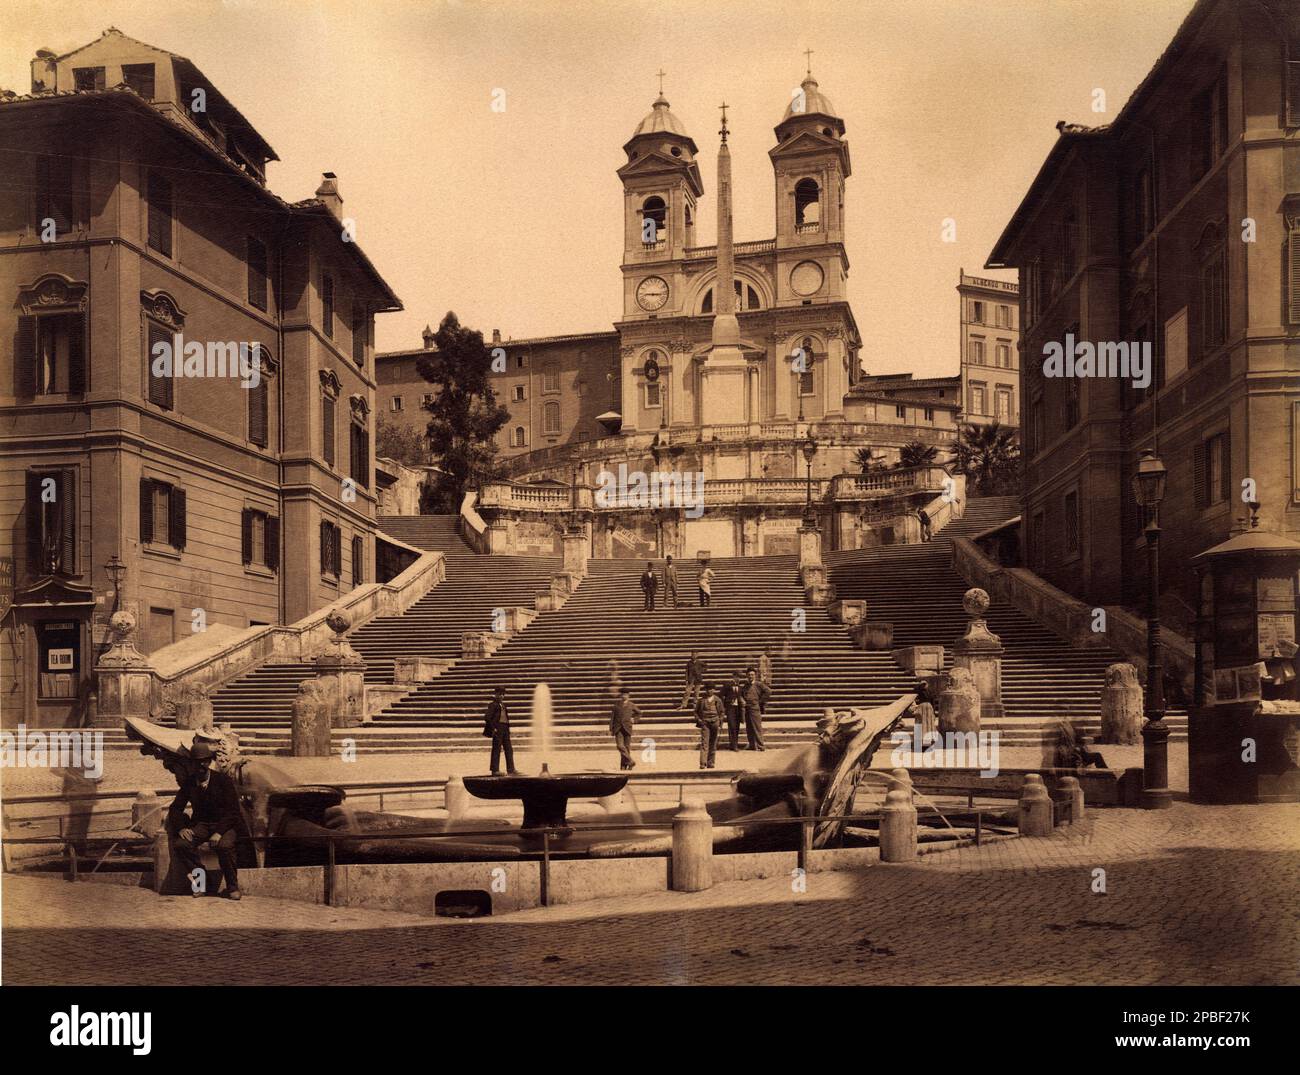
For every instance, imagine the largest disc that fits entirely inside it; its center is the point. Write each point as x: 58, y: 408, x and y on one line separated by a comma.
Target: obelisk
x: 722, y: 374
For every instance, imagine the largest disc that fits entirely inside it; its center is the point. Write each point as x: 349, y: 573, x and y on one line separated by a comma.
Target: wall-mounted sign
x: 6, y: 585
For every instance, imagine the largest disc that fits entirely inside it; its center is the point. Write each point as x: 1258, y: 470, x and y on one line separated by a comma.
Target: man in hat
x: 756, y: 695
x: 733, y: 701
x: 496, y: 723
x: 670, y: 583
x: 621, y: 722
x: 649, y: 584
x: 215, y: 815
x: 708, y: 717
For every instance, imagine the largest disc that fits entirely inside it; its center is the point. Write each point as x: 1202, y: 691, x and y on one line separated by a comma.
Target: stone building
x: 1176, y: 226
x: 728, y: 385
x: 137, y: 216
x: 990, y: 350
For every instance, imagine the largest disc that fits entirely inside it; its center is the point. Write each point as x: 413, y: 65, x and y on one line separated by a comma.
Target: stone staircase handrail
x: 302, y: 640
x: 470, y: 524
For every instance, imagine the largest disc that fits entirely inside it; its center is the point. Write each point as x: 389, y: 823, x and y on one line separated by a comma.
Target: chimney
x: 496, y: 335
x: 328, y: 192
x: 43, y: 71
x: 428, y: 338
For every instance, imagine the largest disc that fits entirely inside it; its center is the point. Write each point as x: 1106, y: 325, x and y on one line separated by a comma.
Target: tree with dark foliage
x: 989, y: 456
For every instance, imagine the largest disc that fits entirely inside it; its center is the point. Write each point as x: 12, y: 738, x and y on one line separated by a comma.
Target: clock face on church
x: 652, y: 293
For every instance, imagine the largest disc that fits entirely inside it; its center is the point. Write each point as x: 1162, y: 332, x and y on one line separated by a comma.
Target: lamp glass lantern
x: 1149, y: 480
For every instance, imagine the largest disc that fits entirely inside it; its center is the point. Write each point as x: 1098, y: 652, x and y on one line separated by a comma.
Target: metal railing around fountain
x: 542, y: 855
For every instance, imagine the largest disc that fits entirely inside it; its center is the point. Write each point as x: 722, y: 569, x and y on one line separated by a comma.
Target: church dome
x: 815, y: 103
x: 660, y: 121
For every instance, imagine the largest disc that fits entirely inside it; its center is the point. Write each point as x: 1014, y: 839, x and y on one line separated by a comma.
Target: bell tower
x: 661, y: 185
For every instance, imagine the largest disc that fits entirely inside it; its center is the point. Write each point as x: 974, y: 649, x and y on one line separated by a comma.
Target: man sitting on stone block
x: 215, y: 816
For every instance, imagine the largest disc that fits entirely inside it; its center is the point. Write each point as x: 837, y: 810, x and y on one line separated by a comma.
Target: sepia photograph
x: 588, y: 493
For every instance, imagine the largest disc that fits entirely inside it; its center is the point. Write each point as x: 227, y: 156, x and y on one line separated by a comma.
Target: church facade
x: 735, y: 383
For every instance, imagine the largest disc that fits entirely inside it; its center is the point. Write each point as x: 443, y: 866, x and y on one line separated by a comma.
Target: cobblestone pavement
x: 1192, y: 895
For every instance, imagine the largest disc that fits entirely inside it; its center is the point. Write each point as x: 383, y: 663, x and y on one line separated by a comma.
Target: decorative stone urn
x: 123, y: 676
x: 341, y: 669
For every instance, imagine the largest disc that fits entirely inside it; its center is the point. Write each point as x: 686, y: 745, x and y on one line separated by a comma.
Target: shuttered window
x: 360, y: 328
x: 1293, y: 84
x: 1293, y: 274
x: 260, y: 538
x: 358, y: 560
x: 360, y: 460
x: 259, y: 405
x: 1212, y: 471
x: 51, y: 508
x: 160, y: 214
x: 50, y: 353
x: 327, y: 306
x: 331, y: 549
x: 161, y: 376
x: 162, y: 514
x: 328, y: 423
x: 257, y: 272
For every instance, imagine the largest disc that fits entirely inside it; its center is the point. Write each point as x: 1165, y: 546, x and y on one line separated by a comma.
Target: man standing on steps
x: 621, y: 723
x: 696, y: 670
x: 756, y: 696
x: 924, y: 518
x: 708, y: 715
x: 670, y: 584
x: 733, y: 701
x: 496, y: 723
x: 649, y: 584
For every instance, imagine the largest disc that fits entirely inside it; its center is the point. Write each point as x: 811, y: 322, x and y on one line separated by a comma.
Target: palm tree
x: 916, y: 454
x: 869, y: 461
x: 989, y: 456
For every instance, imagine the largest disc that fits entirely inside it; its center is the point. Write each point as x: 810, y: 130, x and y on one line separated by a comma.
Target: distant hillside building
x: 990, y: 350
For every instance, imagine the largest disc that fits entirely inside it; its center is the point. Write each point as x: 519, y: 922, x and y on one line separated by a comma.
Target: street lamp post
x: 809, y: 450
x: 116, y: 571
x: 1149, y: 490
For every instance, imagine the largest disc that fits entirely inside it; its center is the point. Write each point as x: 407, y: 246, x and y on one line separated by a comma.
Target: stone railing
x: 472, y: 528
x: 233, y: 655
x: 533, y: 497
x: 883, y: 483
x: 758, y: 246
x: 1069, y: 617
x: 761, y: 490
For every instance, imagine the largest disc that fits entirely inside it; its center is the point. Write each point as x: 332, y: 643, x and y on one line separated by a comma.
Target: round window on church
x: 677, y: 151
x: 806, y: 278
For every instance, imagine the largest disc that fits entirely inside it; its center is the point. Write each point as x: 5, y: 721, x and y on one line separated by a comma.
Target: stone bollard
x: 1121, y: 705
x: 1069, y: 787
x: 145, y: 812
x: 692, y: 865
x: 162, y: 858
x: 456, y: 798
x: 898, y: 821
x: 310, y: 737
x: 1035, y: 807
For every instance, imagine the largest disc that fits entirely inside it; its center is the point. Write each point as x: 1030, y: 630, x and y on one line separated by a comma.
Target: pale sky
x: 513, y: 219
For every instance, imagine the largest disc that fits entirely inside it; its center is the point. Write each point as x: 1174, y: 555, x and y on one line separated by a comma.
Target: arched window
x: 807, y: 204
x: 518, y: 438
x: 746, y: 299
x: 653, y: 209
x: 551, y: 419
x: 806, y: 374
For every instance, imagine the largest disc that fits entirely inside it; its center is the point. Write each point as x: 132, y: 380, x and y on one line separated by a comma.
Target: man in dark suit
x: 670, y: 583
x: 496, y: 723
x: 621, y: 723
x: 215, y: 815
x: 696, y: 670
x: 649, y: 584
x: 733, y: 702
x: 708, y: 716
x: 756, y: 695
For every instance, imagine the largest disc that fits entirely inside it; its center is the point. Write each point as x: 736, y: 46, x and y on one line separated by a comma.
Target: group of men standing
x: 650, y: 584
x: 745, y: 695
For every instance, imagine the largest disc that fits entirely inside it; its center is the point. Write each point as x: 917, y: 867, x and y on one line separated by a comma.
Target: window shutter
x: 146, y: 511
x: 177, y: 517
x: 78, y: 340
x: 68, y: 515
x: 327, y: 428
x: 1200, y: 493
x: 338, y: 551
x: 246, y: 536
x: 358, y: 555
x: 160, y: 214
x: 160, y: 388
x: 1292, y: 275
x: 271, y: 549
x: 35, y: 512
x: 354, y: 455
x: 1225, y: 490
x: 257, y: 413
x: 25, y: 356
x: 326, y: 547
x: 1293, y: 86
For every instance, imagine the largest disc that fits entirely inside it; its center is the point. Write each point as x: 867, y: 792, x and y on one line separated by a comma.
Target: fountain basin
x: 546, y: 798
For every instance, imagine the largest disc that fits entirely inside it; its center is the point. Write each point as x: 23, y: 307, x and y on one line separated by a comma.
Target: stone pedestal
x: 722, y: 386
x: 873, y: 635
x: 692, y: 861
x: 312, y: 715
x: 162, y: 858
x: 979, y: 651
x: 898, y: 821
x: 1069, y: 789
x: 1121, y: 706
x: 498, y: 536
x: 920, y: 660
x: 124, y: 677
x: 810, y: 547
x: 575, y: 553
x: 193, y: 707
x: 959, y: 705
x: 342, y: 670
x: 1035, y: 807
x: 475, y: 645
x: 411, y: 670
x: 847, y: 612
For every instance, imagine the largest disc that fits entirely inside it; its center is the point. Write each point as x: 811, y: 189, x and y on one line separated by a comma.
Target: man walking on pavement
x: 496, y: 723
x: 670, y: 584
x: 708, y: 715
x: 649, y: 584
x: 621, y: 723
x: 756, y: 696
x: 696, y: 670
